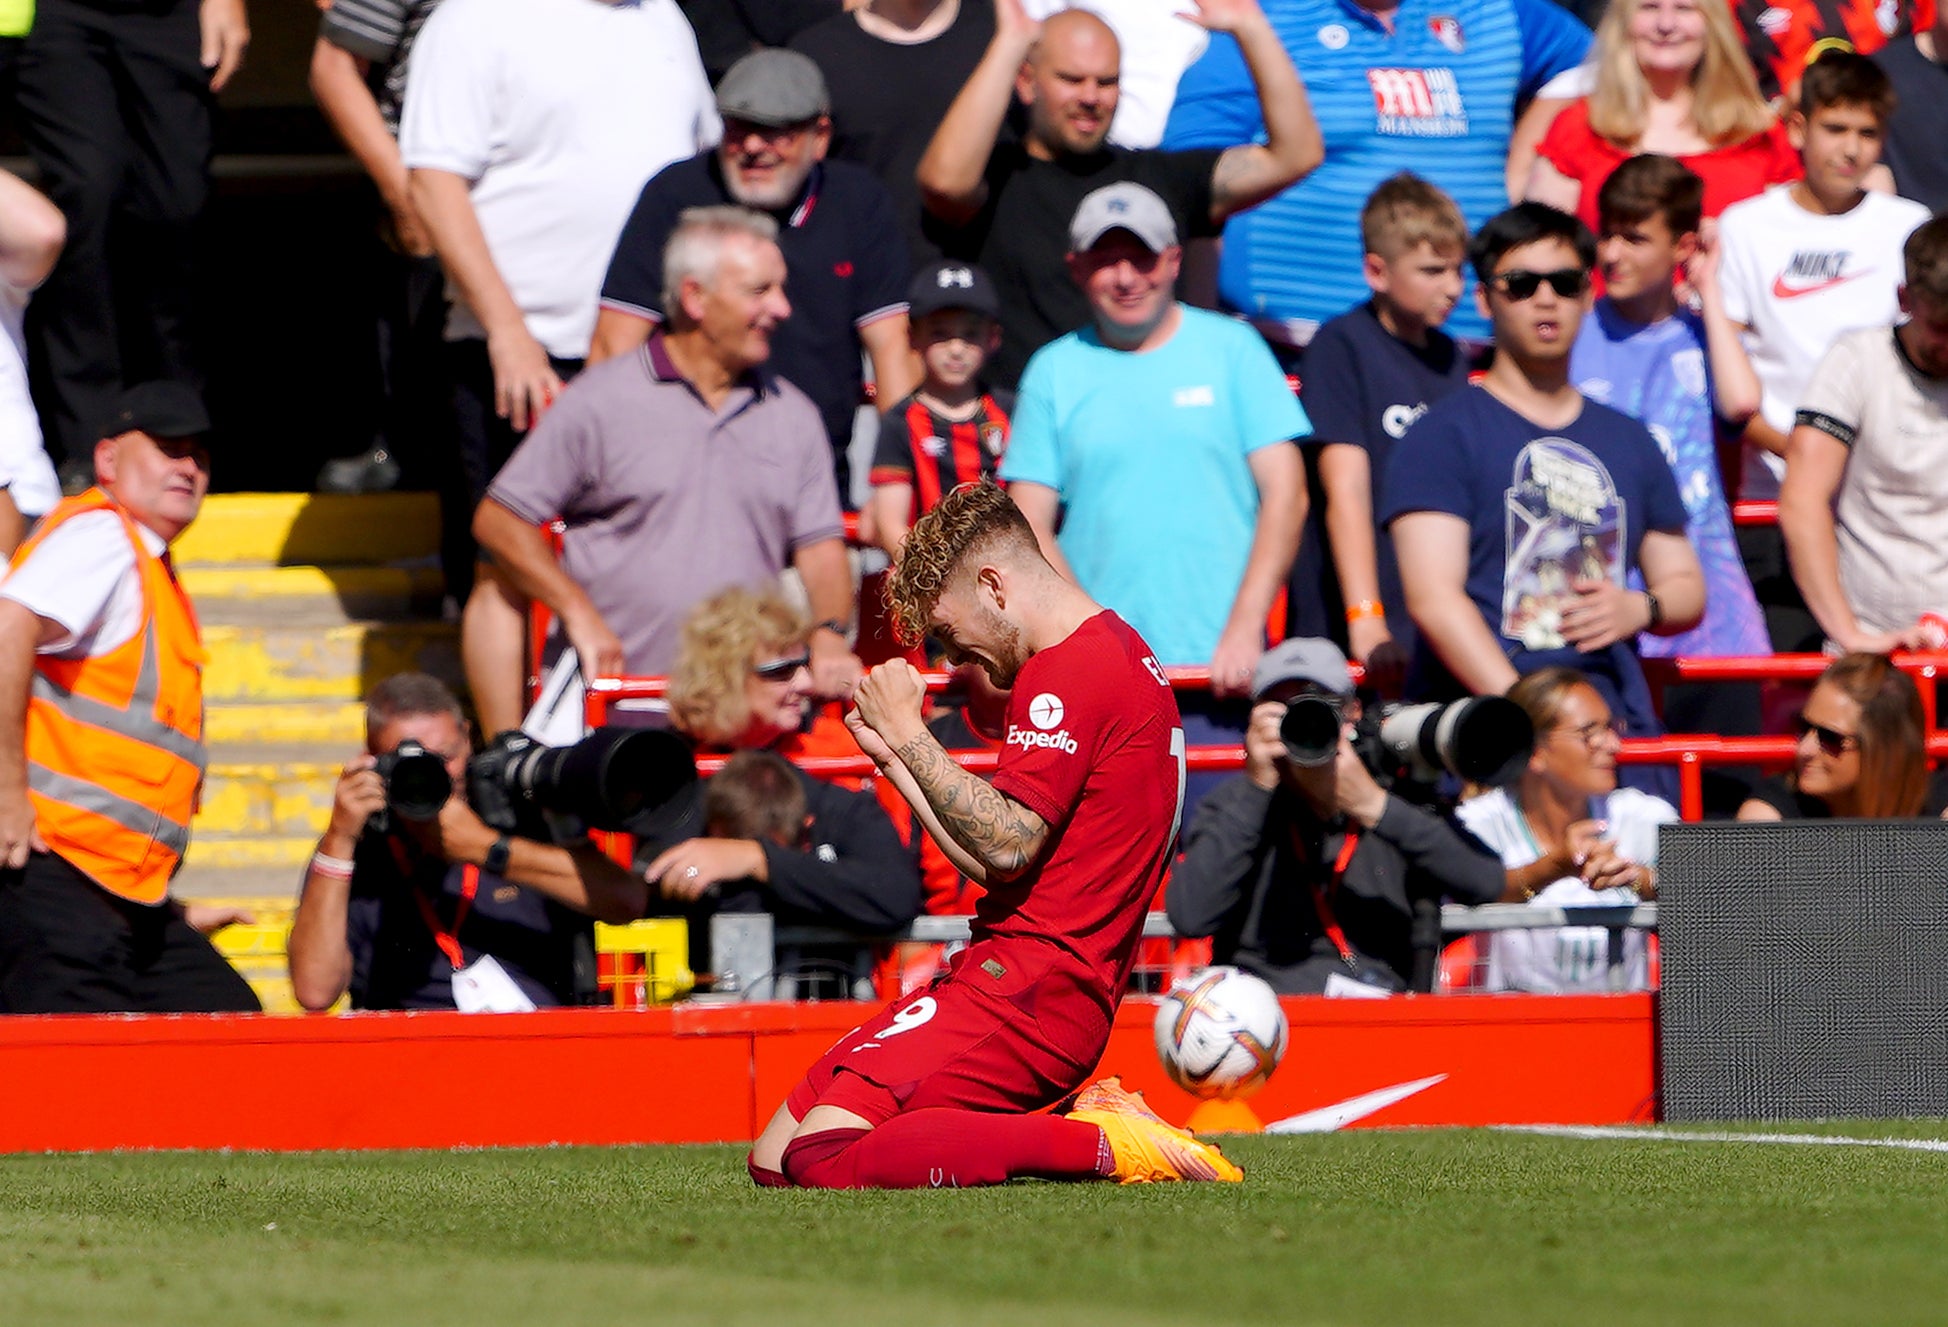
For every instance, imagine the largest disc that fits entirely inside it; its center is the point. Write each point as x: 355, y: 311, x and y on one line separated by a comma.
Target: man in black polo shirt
x: 1007, y: 206
x: 845, y: 255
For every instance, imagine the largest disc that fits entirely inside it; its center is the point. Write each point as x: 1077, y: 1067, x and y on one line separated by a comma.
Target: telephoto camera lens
x: 1310, y: 731
x: 1484, y: 739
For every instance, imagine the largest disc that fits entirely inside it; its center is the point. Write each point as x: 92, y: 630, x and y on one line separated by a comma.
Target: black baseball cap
x: 952, y: 285
x: 161, y: 409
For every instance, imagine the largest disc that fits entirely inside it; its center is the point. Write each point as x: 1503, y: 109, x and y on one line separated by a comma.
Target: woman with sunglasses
x: 1569, y: 836
x: 1670, y: 76
x: 1862, y: 750
x: 742, y: 682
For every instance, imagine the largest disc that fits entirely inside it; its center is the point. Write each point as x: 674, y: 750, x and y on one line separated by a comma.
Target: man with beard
x: 845, y: 252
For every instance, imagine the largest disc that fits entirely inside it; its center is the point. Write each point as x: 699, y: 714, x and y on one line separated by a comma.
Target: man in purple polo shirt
x: 681, y: 469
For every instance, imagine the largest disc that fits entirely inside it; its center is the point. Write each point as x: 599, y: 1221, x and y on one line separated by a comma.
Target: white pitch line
x: 1681, y: 1136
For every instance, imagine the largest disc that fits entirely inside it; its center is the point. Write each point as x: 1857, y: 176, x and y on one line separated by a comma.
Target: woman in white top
x: 1567, y: 835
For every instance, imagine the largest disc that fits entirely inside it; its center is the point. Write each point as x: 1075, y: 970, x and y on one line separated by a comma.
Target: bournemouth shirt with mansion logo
x: 1436, y: 95
x: 1094, y: 746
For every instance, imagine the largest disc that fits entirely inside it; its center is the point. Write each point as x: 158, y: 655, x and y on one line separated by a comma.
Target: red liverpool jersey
x: 1094, y: 747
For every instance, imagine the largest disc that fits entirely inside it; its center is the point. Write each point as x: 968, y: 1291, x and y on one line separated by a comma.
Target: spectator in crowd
x: 528, y: 129
x: 1152, y: 453
x: 1395, y: 91
x: 1864, y: 508
x: 1519, y: 509
x: 1005, y: 204
x: 893, y: 68
x: 102, y: 692
x: 1307, y: 874
x: 953, y: 428
x: 31, y: 234
x: 742, y: 683
x: 1916, y: 150
x: 729, y: 30
x: 1569, y: 836
x: 1799, y: 266
x: 845, y: 262
x: 1679, y: 373
x: 1369, y: 374
x: 116, y: 105
x: 1862, y: 754
x: 680, y: 471
x: 1783, y: 37
x: 1159, y: 40
x: 444, y: 912
x: 1671, y: 79
x: 358, y: 76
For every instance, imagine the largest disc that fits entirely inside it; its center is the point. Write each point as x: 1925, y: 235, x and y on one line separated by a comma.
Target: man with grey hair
x: 1163, y: 436
x: 680, y: 470
x: 845, y: 252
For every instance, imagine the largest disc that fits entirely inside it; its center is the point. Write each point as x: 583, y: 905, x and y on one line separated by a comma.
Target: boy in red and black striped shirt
x: 952, y: 430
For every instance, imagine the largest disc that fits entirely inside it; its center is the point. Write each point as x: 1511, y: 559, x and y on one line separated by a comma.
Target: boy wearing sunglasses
x: 1520, y: 508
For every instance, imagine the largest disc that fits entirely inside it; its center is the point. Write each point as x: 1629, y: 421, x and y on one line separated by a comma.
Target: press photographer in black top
x: 1304, y: 869
x: 414, y: 901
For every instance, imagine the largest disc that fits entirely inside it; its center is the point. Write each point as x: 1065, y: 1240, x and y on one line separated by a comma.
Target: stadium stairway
x: 306, y: 601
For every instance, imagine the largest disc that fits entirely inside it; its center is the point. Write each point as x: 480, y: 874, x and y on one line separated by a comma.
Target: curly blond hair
x: 721, y: 638
x: 1726, y: 105
x: 967, y: 520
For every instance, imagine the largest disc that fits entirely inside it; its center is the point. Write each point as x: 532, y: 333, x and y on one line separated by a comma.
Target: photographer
x: 442, y: 911
x: 1306, y: 874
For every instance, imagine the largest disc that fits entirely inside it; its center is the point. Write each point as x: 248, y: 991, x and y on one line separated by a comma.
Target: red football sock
x: 946, y: 1148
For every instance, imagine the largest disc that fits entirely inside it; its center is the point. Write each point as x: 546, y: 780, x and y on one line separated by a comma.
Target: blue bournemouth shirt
x: 1435, y: 96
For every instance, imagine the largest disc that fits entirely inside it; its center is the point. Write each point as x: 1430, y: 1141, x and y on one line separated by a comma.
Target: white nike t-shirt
x: 1799, y: 280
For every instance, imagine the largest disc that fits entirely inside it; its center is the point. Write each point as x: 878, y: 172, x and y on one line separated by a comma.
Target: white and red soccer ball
x: 1220, y: 1033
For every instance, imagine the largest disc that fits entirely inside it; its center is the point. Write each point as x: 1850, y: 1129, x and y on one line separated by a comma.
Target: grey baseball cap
x: 774, y: 88
x: 1302, y: 659
x: 1125, y: 206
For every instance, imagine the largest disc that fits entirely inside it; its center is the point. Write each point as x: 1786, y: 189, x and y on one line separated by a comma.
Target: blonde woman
x: 1671, y: 77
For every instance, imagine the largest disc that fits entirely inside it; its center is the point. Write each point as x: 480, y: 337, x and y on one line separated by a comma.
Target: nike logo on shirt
x: 1780, y: 290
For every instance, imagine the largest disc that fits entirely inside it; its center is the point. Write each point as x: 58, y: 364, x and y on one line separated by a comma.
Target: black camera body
x: 604, y: 780
x: 1485, y: 740
x: 417, y: 784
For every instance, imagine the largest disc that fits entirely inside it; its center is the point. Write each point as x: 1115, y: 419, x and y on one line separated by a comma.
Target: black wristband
x: 495, y: 863
x: 1656, y: 610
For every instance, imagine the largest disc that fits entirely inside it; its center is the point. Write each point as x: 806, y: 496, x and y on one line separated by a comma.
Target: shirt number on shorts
x: 917, y: 1014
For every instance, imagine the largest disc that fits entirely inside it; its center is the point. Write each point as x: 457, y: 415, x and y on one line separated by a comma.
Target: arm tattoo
x: 991, y: 826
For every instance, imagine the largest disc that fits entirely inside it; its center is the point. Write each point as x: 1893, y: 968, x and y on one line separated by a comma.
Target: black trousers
x: 68, y: 946
x: 485, y: 441
x: 116, y: 110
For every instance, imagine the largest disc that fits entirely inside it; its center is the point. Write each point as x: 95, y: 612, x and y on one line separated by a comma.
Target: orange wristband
x: 1364, y: 609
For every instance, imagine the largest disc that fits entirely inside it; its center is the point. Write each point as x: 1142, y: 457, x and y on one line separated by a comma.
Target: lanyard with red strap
x: 448, y: 941
x: 1323, y: 892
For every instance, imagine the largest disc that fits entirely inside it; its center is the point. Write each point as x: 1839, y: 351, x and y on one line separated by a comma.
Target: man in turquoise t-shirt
x: 1158, y: 442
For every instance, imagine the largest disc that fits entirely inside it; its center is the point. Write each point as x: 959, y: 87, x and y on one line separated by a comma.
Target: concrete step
x: 270, y: 789
x: 329, y: 594
x: 340, y: 724
x: 325, y: 529
x: 271, y: 891
x: 297, y: 661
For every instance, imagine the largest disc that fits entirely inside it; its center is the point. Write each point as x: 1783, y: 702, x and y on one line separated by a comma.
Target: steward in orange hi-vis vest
x: 115, y: 742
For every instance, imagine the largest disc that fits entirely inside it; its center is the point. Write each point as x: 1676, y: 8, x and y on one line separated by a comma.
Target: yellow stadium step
x: 271, y: 790
x: 321, y: 529
x: 222, y: 852
x: 281, y: 661
x: 356, y: 591
x: 339, y: 723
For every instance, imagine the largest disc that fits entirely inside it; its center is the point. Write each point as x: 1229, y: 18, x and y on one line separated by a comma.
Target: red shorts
x: 1010, y: 1026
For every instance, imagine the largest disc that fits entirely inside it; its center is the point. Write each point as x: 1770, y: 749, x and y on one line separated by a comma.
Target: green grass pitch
x: 1451, y: 1227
